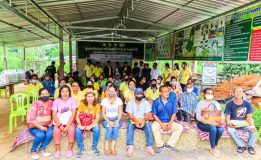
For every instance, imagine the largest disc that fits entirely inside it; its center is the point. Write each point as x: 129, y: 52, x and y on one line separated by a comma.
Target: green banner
x: 163, y: 48
x: 203, y: 42
x: 241, y: 28
x: 149, y: 51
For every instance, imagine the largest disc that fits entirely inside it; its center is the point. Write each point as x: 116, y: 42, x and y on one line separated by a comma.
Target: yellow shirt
x: 167, y: 75
x: 79, y: 97
x: 123, y: 87
x: 97, y: 71
x: 96, y: 86
x: 93, y: 110
x: 175, y: 73
x: 33, y: 88
x: 128, y: 95
x: 104, y: 95
x: 184, y: 76
x: 150, y: 95
x: 89, y: 70
x: 88, y: 89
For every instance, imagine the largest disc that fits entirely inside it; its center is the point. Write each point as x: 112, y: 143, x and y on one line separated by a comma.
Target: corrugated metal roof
x: 99, y: 17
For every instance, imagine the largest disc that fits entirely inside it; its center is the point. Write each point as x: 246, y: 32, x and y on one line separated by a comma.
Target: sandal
x: 240, y: 149
x: 107, y: 152
x: 114, y: 152
x: 251, y: 151
x: 215, y: 154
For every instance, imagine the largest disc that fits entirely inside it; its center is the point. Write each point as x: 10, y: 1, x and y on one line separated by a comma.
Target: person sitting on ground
x: 239, y: 110
x: 139, y: 112
x: 159, y: 81
x: 123, y: 87
x: 129, y: 93
x: 142, y: 83
x: 152, y: 92
x: 195, y: 89
x: 176, y: 87
x: 88, y: 107
x: 64, y: 111
x: 49, y: 84
x: 39, y: 119
x: 105, y: 91
x: 164, y: 112
x: 112, y: 109
x: 76, y: 92
x: 205, y: 124
x: 188, y: 103
x: 34, y: 86
x: 61, y: 83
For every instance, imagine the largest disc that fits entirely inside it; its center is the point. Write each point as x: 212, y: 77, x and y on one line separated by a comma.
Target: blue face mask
x: 174, y: 83
x: 34, y: 81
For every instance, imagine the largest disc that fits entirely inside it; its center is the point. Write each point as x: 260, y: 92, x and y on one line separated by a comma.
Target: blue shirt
x: 170, y: 107
x: 238, y: 112
x: 173, y: 96
x: 50, y: 86
x: 195, y: 90
x: 188, y: 103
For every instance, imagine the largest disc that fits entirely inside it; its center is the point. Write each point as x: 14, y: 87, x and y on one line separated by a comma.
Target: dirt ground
x: 7, y: 140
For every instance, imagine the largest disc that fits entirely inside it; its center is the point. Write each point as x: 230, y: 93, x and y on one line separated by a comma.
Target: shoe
x: 151, y: 151
x: 80, y: 153
x: 251, y: 150
x: 130, y: 151
x: 215, y: 153
x: 57, y: 154
x: 107, y: 152
x: 159, y: 149
x: 45, y: 154
x: 96, y: 151
x: 69, y: 154
x: 171, y: 148
x: 35, y: 156
x: 114, y: 152
x: 240, y: 149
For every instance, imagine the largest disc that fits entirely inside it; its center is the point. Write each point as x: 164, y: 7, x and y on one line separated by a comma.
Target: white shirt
x: 155, y: 73
x: 140, y: 110
x: 112, y: 110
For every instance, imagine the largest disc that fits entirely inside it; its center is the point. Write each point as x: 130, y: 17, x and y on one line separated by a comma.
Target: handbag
x: 214, y: 115
x: 85, y: 119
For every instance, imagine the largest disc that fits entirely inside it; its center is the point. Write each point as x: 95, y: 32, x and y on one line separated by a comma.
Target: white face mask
x: 158, y: 81
x: 209, y: 96
x: 189, y: 90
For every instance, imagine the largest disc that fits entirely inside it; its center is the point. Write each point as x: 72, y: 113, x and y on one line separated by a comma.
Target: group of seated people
x: 76, y: 111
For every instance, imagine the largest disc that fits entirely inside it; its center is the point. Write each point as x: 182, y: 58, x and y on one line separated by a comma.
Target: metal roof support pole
x: 24, y: 59
x: 5, y: 60
x: 61, y: 68
x: 70, y: 53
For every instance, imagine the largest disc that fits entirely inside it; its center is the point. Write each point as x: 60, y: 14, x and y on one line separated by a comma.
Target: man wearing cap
x: 51, y: 70
x: 139, y: 112
x: 164, y: 112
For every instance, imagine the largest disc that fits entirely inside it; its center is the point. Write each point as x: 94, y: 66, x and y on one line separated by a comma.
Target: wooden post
x: 5, y: 60
x: 70, y: 53
x: 61, y: 56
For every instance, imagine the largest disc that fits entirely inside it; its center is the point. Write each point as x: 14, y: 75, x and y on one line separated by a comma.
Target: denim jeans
x: 185, y: 116
x: 148, y: 134
x: 239, y: 141
x: 112, y: 131
x: 41, y: 137
x: 95, y: 140
x: 215, y: 133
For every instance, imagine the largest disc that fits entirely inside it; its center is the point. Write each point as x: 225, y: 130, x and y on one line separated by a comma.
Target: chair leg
x: 10, y: 124
x: 15, y: 121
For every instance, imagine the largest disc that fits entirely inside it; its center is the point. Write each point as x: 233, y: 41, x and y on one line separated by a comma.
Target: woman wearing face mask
x: 48, y: 83
x: 39, y: 119
x: 62, y: 83
x: 96, y: 86
x: 205, y: 124
x: 89, y: 88
x: 64, y: 111
x: 176, y: 87
x: 152, y: 92
x: 159, y: 81
x: 112, y: 111
x: 129, y: 93
x: 104, y: 93
x: 76, y: 92
x: 34, y: 86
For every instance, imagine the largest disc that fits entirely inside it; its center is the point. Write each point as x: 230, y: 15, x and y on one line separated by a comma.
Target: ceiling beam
x: 182, y: 7
x: 116, y: 29
x: 112, y: 41
x: 150, y: 23
x: 90, y: 20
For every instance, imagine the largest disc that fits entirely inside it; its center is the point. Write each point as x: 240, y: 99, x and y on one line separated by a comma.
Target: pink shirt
x: 64, y: 106
x: 41, y: 113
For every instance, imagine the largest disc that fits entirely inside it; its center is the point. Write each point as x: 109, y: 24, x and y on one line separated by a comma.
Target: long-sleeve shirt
x: 188, y: 102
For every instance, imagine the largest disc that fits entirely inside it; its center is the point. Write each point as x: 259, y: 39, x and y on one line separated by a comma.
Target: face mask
x: 44, y: 98
x: 131, y: 87
x: 111, y: 95
x: 138, y: 98
x: 153, y: 85
x: 47, y: 78
x: 189, y: 90
x: 174, y: 83
x: 34, y: 81
x: 209, y: 96
x: 92, y: 80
